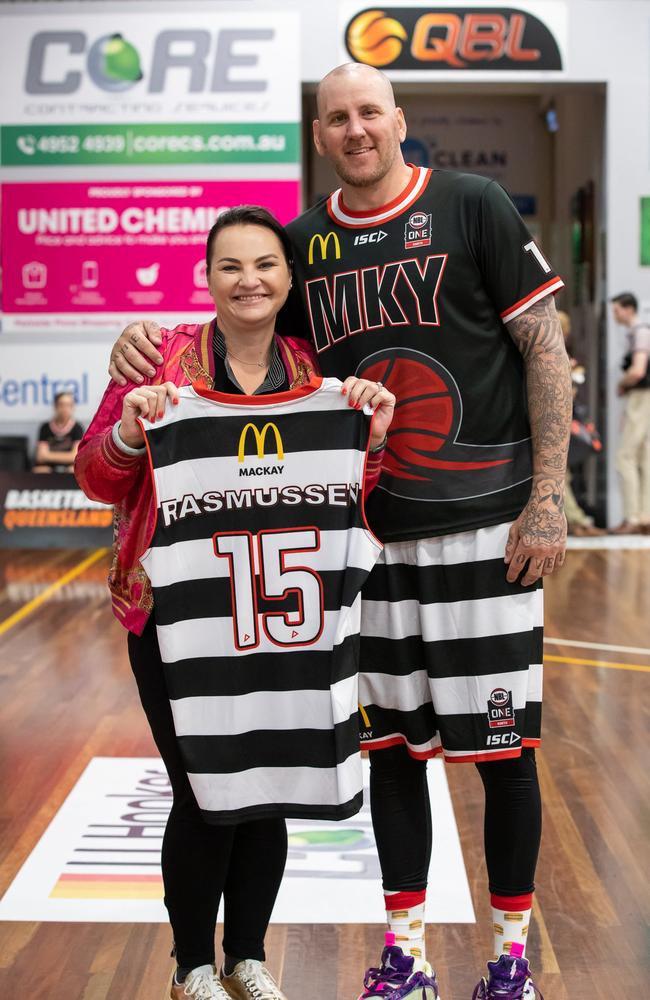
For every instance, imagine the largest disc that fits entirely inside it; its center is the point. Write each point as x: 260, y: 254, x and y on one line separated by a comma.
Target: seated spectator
x: 59, y: 438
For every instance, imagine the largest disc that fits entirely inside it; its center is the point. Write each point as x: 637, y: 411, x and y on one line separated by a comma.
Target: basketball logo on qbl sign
x: 486, y: 38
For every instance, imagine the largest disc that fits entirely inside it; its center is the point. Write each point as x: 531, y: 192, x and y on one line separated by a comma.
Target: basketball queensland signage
x: 456, y: 37
x: 50, y: 511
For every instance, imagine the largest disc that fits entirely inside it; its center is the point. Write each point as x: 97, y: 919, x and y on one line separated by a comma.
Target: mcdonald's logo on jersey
x: 323, y: 242
x: 259, y: 437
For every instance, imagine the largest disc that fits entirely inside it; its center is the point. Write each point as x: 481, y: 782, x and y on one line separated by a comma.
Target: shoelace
x: 384, y: 977
x: 501, y: 986
x: 417, y: 982
x: 202, y: 984
x: 258, y: 981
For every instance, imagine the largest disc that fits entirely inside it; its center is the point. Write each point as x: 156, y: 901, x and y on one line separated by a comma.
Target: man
x: 429, y: 282
x: 633, y: 458
x: 58, y: 438
x: 578, y: 521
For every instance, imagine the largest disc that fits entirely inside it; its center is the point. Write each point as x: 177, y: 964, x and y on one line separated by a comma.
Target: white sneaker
x: 250, y: 980
x: 201, y: 983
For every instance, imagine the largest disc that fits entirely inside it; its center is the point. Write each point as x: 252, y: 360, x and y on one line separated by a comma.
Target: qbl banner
x: 117, y: 250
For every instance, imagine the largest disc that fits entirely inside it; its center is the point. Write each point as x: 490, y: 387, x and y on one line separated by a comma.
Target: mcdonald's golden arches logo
x: 259, y: 436
x: 322, y: 242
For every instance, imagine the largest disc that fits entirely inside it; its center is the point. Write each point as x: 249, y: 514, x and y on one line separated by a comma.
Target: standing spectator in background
x: 578, y: 521
x: 59, y: 438
x: 633, y: 459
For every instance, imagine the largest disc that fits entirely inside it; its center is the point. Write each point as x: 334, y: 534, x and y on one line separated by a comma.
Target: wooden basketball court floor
x: 68, y: 696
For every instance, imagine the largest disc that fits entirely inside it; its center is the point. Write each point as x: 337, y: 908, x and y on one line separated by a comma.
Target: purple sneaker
x: 419, y: 986
x: 393, y: 973
x: 396, y: 980
x: 510, y: 978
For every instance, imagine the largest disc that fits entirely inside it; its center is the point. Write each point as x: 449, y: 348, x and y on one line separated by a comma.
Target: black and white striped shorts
x: 451, y: 653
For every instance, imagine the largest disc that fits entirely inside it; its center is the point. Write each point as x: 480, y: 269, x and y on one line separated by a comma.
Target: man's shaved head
x: 355, y: 72
x: 359, y: 129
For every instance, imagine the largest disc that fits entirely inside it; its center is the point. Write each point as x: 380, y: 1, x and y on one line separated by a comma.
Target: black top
x: 57, y: 441
x: 417, y: 295
x: 225, y: 379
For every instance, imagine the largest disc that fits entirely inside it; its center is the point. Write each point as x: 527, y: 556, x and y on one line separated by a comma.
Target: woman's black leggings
x: 202, y: 861
x: 401, y: 818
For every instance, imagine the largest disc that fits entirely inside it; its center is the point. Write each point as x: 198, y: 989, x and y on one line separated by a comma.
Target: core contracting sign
x: 227, y: 66
x: 456, y: 37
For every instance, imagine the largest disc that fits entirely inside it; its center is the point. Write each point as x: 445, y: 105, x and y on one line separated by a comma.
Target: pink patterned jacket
x: 107, y: 474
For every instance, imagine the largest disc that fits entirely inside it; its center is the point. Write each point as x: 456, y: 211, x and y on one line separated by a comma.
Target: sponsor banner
x: 30, y: 379
x: 225, y: 65
x: 189, y: 142
x: 99, y: 859
x: 48, y: 510
x: 129, y: 247
x: 479, y: 36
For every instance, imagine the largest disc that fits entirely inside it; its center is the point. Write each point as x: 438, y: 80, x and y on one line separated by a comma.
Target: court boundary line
x: 598, y: 645
x: 41, y: 598
x: 640, y: 668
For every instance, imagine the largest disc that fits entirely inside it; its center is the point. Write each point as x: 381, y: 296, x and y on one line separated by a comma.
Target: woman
x: 249, y: 276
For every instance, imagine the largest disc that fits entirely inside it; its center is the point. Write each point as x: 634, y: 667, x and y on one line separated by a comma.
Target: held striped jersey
x: 256, y: 561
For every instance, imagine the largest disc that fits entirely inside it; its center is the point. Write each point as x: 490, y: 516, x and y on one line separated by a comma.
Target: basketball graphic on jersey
x: 424, y: 459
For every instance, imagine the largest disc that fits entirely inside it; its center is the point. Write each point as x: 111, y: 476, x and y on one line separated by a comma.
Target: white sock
x: 405, y: 918
x: 511, y: 919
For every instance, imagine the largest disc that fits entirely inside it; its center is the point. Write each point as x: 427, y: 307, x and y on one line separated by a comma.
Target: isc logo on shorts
x: 500, y: 710
x: 417, y: 231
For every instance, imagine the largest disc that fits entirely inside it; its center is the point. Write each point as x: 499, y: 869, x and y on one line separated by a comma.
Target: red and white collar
x: 360, y: 220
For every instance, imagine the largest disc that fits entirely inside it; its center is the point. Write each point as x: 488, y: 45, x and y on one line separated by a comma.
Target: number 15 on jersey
x: 277, y: 581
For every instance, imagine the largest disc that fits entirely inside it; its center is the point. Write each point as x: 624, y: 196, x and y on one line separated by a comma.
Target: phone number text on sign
x: 176, y: 143
x: 95, y: 248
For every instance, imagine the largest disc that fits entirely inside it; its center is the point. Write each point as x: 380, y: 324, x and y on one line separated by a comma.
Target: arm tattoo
x: 538, y: 336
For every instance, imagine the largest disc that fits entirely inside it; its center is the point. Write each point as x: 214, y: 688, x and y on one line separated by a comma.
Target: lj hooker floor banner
x: 99, y: 859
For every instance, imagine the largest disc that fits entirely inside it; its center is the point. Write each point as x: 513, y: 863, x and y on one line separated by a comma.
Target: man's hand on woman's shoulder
x: 135, y: 352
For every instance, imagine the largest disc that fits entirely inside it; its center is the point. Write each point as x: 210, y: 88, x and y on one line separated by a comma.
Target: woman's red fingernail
x: 161, y: 413
x: 344, y: 391
x: 175, y: 402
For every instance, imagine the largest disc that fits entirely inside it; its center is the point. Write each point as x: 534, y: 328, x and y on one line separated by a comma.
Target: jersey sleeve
x: 44, y: 433
x: 77, y: 432
x: 515, y: 271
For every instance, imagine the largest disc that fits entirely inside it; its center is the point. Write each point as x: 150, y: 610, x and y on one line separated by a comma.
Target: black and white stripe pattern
x: 442, y: 630
x: 267, y: 723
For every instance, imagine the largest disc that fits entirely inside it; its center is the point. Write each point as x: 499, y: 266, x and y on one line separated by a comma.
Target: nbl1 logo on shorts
x: 417, y: 232
x: 500, y: 709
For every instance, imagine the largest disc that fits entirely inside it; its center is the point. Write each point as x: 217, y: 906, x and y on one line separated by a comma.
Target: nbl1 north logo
x: 417, y: 231
x: 500, y: 709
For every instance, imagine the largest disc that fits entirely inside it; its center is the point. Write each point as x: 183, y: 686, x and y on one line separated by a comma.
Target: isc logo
x: 502, y: 739
x: 375, y: 237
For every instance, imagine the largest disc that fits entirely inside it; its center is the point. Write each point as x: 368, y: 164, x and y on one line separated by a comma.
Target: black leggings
x: 401, y: 818
x: 202, y: 861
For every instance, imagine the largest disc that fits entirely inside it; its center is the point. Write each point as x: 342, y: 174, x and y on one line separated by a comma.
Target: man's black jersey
x: 417, y: 295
